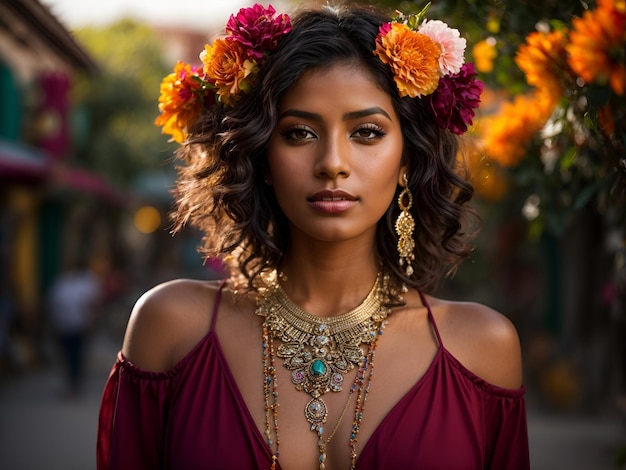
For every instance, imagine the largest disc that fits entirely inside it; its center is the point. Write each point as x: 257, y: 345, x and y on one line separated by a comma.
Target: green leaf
x: 568, y: 159
x: 420, y: 16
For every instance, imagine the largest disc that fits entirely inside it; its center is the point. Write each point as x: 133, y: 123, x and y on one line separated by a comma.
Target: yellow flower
x: 597, y: 44
x: 413, y: 58
x: 227, y: 68
x: 544, y: 61
x: 484, y: 53
x: 179, y: 101
x: 507, y: 133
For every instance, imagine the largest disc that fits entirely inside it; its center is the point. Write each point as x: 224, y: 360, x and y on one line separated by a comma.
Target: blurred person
x: 319, y: 160
x: 72, y: 303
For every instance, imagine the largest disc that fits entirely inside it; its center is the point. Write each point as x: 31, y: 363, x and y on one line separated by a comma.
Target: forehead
x: 341, y: 83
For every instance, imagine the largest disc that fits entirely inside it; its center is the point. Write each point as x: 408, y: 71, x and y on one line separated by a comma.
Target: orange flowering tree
x: 552, y: 127
x: 562, y: 135
x: 557, y: 132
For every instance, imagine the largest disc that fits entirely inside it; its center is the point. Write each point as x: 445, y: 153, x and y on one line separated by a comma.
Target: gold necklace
x: 318, y: 351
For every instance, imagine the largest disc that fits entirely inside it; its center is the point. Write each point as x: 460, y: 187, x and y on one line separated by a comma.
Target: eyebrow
x: 346, y: 117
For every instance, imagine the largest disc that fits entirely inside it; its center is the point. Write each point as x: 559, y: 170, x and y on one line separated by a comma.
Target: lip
x: 331, y: 201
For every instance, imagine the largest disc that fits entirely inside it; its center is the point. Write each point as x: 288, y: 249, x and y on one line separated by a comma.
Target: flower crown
x: 426, y: 58
x: 230, y: 66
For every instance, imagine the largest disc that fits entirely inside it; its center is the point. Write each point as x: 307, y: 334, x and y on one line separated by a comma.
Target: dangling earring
x: 404, y: 228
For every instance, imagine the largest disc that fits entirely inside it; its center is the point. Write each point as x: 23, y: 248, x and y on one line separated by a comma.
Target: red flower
x: 257, y: 30
x: 455, y: 99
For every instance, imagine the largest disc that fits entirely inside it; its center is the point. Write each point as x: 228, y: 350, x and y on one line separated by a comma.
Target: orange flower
x: 225, y: 66
x: 507, y: 133
x: 179, y: 101
x: 484, y: 53
x: 413, y: 58
x: 618, y: 5
x: 544, y: 61
x: 597, y: 44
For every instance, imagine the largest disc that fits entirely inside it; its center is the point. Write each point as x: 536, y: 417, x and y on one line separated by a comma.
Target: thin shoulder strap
x: 431, y: 317
x: 216, y: 305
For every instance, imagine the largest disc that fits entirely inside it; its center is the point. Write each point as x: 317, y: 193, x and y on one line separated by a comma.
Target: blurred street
x: 40, y: 430
x: 85, y: 175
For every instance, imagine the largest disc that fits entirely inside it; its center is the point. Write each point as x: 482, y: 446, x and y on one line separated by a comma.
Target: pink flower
x: 384, y: 28
x: 455, y: 99
x: 257, y: 30
x: 451, y: 43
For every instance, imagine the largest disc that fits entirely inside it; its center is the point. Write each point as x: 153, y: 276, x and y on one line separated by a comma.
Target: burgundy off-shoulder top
x: 194, y: 417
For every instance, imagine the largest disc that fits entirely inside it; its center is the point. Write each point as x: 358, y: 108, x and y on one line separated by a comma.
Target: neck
x: 328, y: 282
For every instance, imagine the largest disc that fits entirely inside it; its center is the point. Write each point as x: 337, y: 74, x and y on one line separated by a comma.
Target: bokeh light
x: 147, y: 219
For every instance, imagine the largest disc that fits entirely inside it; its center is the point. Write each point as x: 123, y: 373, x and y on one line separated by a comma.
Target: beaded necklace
x: 318, y: 352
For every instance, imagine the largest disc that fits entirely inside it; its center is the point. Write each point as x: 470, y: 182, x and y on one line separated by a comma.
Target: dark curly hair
x: 221, y: 187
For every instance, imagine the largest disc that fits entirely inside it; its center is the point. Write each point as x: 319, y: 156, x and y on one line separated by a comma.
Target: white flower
x: 451, y: 43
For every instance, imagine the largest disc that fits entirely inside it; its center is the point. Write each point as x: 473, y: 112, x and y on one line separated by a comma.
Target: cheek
x: 281, y: 171
x: 283, y: 174
x: 274, y: 164
x: 385, y: 172
x: 382, y: 190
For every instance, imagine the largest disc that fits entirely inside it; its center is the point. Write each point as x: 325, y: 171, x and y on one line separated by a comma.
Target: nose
x: 333, y: 160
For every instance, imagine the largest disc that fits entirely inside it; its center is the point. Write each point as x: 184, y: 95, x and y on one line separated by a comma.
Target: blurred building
x: 38, y: 188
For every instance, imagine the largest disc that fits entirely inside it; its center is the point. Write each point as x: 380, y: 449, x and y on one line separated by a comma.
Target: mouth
x: 332, y: 196
x: 332, y: 201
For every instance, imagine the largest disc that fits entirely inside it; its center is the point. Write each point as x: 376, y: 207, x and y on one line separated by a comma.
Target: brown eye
x: 369, y: 133
x: 298, y: 134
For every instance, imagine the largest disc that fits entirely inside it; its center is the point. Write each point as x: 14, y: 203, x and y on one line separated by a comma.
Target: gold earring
x: 404, y: 228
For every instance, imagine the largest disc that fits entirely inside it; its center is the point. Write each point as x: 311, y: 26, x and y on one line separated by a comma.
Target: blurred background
x: 85, y: 180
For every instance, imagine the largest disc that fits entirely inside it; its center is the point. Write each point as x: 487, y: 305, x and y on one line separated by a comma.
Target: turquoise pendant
x: 318, y: 368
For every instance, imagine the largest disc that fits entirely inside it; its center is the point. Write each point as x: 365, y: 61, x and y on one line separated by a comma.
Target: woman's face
x: 335, y: 157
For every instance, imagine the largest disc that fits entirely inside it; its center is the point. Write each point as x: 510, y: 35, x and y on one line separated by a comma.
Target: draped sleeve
x: 133, y: 416
x: 506, y: 429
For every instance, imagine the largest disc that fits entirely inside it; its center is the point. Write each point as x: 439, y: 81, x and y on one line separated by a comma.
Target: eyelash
x: 289, y: 134
x: 374, y: 133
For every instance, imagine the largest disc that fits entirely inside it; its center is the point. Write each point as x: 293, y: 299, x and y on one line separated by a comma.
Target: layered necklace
x: 319, y: 352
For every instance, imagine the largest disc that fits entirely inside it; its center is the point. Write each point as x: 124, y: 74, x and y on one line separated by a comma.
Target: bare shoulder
x: 168, y: 321
x: 482, y: 339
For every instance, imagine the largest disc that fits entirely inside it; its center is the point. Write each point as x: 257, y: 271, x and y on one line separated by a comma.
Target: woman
x: 319, y: 159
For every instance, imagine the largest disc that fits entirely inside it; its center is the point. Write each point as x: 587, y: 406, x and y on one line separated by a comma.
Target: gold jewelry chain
x: 295, y: 324
x: 319, y: 351
x: 307, y: 323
